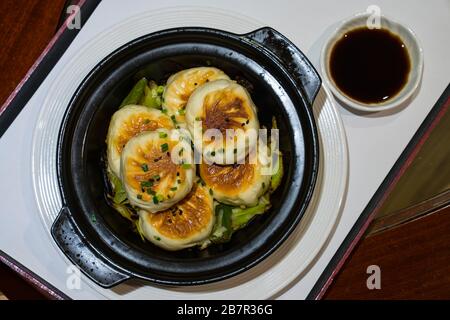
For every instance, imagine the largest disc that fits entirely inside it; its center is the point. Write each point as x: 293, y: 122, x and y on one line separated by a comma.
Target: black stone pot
x: 282, y: 83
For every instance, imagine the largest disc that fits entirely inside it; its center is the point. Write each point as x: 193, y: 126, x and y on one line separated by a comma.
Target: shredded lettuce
x: 152, y: 97
x: 136, y: 93
x: 124, y: 211
x: 120, y: 195
x: 119, y: 199
x: 241, y: 217
x: 276, y: 178
x: 137, y: 225
x: 145, y: 93
x: 230, y: 219
x: 222, y: 228
x: 275, y: 181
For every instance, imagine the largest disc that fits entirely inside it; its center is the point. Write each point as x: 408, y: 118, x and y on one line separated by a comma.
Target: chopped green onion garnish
x: 201, y: 181
x: 144, y: 167
x: 160, y: 90
x: 164, y: 147
x: 186, y: 165
x: 146, y: 184
x: 163, y: 135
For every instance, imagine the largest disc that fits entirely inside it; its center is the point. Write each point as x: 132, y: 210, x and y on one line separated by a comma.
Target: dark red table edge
x: 376, y: 202
x: 56, y: 48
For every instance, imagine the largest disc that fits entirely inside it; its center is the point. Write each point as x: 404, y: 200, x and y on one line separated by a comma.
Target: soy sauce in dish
x: 370, y: 65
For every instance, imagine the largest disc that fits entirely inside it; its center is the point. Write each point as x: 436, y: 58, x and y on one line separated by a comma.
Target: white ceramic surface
x: 411, y: 42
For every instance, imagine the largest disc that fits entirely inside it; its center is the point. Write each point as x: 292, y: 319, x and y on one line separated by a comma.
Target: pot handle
x: 76, y: 248
x: 291, y: 57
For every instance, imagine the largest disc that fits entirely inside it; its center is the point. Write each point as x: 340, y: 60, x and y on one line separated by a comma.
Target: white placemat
x: 375, y: 141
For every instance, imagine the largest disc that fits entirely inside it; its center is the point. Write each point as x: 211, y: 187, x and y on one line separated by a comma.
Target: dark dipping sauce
x: 370, y: 66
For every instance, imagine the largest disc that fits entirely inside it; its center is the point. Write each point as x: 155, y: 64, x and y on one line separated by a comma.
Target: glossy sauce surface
x: 370, y: 66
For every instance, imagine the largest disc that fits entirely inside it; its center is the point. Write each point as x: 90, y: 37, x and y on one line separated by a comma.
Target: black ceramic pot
x: 282, y: 83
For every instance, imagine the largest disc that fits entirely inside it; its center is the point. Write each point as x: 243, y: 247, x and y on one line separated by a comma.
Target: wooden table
x: 411, y: 246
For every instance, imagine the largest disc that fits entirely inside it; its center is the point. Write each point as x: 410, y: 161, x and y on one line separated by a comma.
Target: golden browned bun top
x: 187, y: 218
x: 155, y: 168
x: 229, y: 179
x: 181, y: 85
x: 225, y: 110
x: 137, y: 123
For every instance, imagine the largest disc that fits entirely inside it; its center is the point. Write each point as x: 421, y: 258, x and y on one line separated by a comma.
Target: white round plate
x: 292, y: 259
